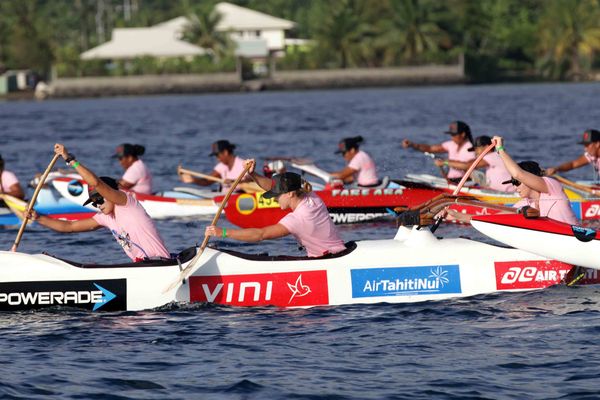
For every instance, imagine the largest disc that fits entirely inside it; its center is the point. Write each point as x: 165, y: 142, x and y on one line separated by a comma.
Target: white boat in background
x: 172, y: 204
x: 414, y: 266
x: 572, y: 244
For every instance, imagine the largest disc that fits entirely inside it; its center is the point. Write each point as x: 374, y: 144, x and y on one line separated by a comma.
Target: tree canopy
x: 500, y: 39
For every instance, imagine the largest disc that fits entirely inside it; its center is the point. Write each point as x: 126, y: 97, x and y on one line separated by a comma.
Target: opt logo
x: 512, y: 275
x: 592, y: 211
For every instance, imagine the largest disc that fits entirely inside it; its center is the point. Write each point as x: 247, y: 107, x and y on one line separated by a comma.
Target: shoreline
x: 230, y: 82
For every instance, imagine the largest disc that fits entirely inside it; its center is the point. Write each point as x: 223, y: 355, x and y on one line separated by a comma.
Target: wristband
x: 224, y: 233
x: 499, y: 149
x: 76, y: 164
x: 446, y: 162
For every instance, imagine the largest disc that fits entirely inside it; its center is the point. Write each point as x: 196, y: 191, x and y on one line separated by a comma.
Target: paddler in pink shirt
x: 9, y: 183
x: 457, y: 148
x: 120, y: 212
x: 229, y: 167
x: 361, y: 168
x: 591, y: 155
x: 495, y: 170
x: 309, y: 221
x: 137, y: 177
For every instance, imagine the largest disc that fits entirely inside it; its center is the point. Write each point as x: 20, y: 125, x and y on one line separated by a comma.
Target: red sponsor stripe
x: 529, y: 274
x: 285, y: 289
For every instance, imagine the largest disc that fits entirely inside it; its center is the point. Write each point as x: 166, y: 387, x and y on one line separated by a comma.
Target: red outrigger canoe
x: 345, y: 205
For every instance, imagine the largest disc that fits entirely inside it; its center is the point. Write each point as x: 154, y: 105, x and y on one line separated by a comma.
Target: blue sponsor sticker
x: 405, y: 281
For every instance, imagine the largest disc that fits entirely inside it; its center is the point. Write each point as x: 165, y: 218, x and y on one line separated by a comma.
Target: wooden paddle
x: 575, y: 185
x: 443, y: 171
x: 32, y: 202
x: 190, y: 267
x: 463, y: 180
x: 248, y: 187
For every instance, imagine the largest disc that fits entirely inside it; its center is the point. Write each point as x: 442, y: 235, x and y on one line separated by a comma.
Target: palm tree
x: 340, y: 33
x: 569, y: 36
x: 413, y: 29
x: 202, y: 31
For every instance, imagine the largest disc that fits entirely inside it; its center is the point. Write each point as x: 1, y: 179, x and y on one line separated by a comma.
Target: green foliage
x: 500, y: 39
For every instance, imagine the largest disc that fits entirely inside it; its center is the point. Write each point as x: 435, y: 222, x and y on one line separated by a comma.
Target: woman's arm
x: 250, y: 234
x: 187, y: 178
x: 422, y: 147
x: 535, y: 182
x: 346, y: 174
x: 84, y: 225
x: 569, y: 165
x: 16, y: 190
x: 459, y: 164
x: 110, y: 194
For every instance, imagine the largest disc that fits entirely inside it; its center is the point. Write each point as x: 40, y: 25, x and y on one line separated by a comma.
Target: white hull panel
x: 415, y: 266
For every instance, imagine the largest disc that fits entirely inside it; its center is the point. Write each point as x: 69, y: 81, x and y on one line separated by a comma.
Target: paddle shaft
x: 575, y: 185
x: 189, y: 269
x: 181, y: 170
x: 32, y: 201
x: 462, y: 182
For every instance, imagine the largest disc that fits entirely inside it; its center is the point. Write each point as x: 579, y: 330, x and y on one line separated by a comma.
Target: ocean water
x: 533, y: 345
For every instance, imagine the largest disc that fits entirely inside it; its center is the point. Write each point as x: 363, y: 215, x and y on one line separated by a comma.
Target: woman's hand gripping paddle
x: 462, y: 182
x: 187, y: 271
x: 32, y: 202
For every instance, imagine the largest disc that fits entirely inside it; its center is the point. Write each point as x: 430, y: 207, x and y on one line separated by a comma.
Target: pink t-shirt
x: 226, y: 173
x: 458, y: 154
x: 134, y: 230
x: 496, y: 173
x: 554, y: 204
x: 311, y: 226
x: 595, y: 161
x: 139, y: 175
x: 8, y: 179
x: 366, y: 174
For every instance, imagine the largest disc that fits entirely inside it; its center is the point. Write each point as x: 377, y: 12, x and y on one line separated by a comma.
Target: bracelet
x: 499, y: 149
x: 76, y: 164
x: 224, y: 233
x: 446, y: 162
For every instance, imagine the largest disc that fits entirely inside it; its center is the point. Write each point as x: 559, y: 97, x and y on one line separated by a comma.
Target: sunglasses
x: 515, y: 182
x: 97, y: 201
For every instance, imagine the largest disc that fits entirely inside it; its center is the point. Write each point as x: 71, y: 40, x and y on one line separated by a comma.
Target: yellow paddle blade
x: 13, y: 203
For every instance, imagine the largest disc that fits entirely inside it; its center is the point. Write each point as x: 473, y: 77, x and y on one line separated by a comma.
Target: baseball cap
x: 219, y: 146
x: 590, y: 136
x: 481, y: 141
x: 128, y: 149
x: 93, y: 194
x: 529, y: 166
x: 283, y: 183
x: 349, y: 143
x: 457, y: 127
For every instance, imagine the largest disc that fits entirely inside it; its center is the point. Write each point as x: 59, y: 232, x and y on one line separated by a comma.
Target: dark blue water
x: 535, y: 345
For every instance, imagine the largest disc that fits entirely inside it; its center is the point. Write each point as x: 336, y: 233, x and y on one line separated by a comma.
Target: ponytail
x: 304, y: 190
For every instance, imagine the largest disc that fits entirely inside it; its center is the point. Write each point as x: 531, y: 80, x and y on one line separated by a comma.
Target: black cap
x: 481, y: 141
x: 590, y: 136
x: 128, y: 149
x: 529, y: 166
x: 221, y: 145
x: 283, y: 183
x: 458, y: 127
x: 93, y: 193
x: 349, y: 143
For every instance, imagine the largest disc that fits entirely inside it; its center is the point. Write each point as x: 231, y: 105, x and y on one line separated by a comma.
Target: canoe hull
x: 544, y: 237
x: 344, y: 205
x: 415, y: 266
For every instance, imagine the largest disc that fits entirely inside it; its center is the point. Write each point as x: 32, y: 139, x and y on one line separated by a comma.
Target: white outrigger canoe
x: 185, y: 202
x: 414, y: 266
x: 573, y: 244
